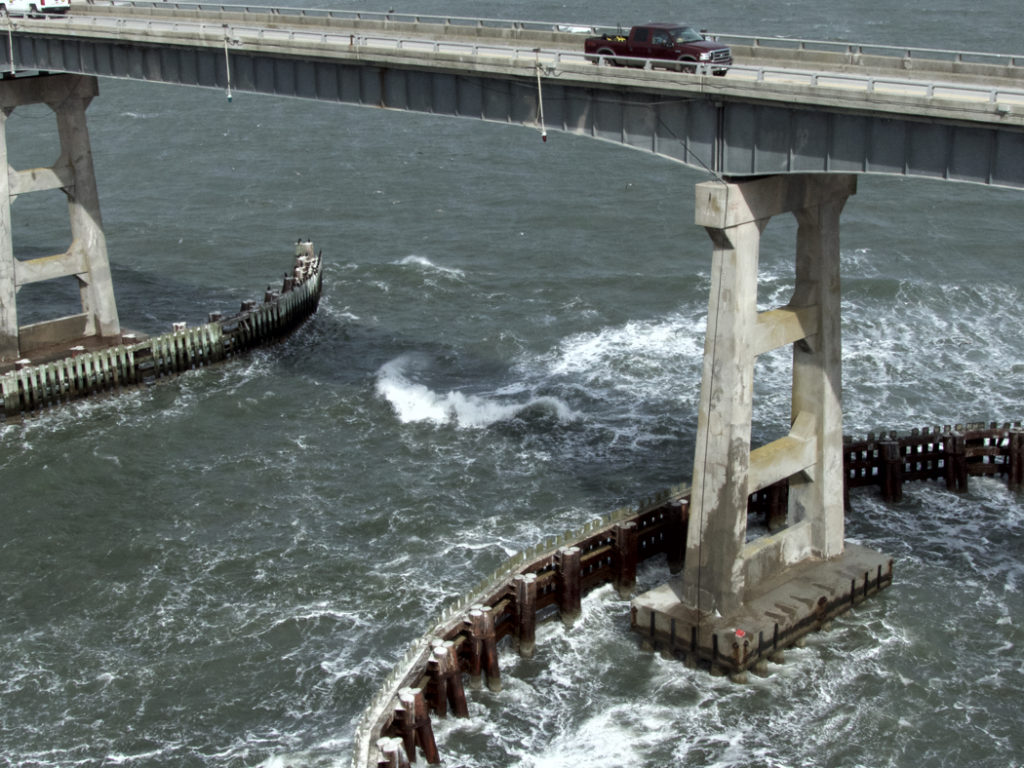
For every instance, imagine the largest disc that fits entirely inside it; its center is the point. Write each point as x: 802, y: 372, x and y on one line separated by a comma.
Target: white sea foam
x: 141, y: 115
x: 425, y: 264
x: 414, y: 402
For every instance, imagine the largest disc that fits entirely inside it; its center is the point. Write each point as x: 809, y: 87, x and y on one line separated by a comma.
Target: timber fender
x: 33, y: 387
x: 548, y: 580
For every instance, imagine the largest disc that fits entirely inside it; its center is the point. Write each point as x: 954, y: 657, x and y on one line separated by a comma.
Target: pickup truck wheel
x: 608, y: 61
x: 690, y: 65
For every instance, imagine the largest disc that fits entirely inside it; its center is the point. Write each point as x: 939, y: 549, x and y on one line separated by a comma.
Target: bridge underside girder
x: 703, y: 130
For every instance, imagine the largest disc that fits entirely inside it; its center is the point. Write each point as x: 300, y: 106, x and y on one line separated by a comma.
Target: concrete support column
x: 721, y: 567
x: 86, y: 257
x: 718, y: 511
x: 817, y: 377
x: 97, y: 288
x: 8, y: 289
x: 740, y: 603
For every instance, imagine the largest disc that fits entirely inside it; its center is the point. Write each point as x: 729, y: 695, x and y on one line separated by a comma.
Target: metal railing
x: 782, y: 44
x: 239, y: 33
x: 786, y: 44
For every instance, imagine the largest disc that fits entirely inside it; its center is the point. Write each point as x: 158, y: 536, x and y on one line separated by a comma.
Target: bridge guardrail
x: 237, y: 33
x: 844, y: 74
x: 759, y: 46
x: 866, y: 49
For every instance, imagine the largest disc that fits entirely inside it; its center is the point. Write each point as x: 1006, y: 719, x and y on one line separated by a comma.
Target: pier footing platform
x: 775, y: 615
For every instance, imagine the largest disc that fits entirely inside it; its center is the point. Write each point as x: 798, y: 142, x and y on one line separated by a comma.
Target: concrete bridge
x: 786, y: 131
x: 787, y: 107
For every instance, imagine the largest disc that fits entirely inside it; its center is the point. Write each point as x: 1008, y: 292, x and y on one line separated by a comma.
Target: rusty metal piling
x: 526, y: 613
x: 412, y: 720
x: 567, y: 561
x: 626, y: 554
x: 483, y: 649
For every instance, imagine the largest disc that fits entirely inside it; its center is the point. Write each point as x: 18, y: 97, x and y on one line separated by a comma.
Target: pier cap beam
x: 726, y: 204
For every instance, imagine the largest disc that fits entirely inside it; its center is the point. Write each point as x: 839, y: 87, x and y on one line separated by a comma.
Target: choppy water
x: 219, y: 570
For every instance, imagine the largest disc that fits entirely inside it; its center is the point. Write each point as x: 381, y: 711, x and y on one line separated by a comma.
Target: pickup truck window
x: 640, y: 35
x: 660, y: 38
x: 686, y: 35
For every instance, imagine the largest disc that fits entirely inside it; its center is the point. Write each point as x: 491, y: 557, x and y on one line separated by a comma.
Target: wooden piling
x: 626, y: 554
x: 456, y: 691
x: 403, y: 723
x: 891, y: 469
x: 484, y: 649
x: 416, y: 728
x: 445, y: 673
x: 526, y: 613
x: 1015, y: 460
x: 675, y: 534
x: 391, y: 753
x: 567, y: 563
x: 437, y: 671
x: 955, y: 457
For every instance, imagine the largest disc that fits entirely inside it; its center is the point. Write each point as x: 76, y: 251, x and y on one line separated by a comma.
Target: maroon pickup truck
x: 683, y: 46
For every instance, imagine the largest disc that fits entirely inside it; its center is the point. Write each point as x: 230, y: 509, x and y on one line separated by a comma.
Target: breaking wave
x: 414, y: 402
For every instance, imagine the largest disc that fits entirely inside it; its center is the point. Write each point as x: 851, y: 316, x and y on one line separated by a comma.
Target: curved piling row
x: 542, y: 583
x: 549, y: 580
x: 32, y: 387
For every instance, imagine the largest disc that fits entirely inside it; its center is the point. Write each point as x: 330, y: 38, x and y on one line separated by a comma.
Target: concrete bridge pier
x: 86, y: 257
x: 741, y: 601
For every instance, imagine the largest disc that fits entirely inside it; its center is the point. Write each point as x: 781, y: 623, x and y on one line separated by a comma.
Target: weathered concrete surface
x: 721, y: 566
x: 85, y: 258
x: 784, y: 582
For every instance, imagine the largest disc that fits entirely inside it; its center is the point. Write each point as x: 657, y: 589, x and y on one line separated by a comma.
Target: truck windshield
x: 686, y: 35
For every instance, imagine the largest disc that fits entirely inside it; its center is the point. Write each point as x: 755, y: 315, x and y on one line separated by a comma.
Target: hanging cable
x: 10, y: 37
x: 227, y: 61
x: 540, y: 101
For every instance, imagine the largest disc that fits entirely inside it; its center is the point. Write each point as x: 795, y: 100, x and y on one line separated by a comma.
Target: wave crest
x: 414, y: 402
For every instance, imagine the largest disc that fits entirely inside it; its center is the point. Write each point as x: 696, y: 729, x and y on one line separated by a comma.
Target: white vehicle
x: 34, y: 7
